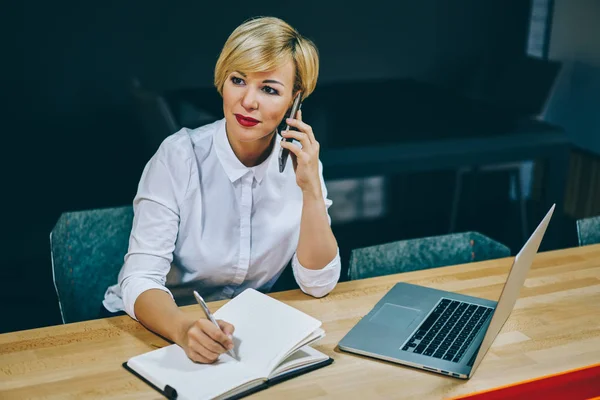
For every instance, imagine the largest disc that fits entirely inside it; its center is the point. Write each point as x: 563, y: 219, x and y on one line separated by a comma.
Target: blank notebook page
x: 265, y: 328
x: 171, y: 366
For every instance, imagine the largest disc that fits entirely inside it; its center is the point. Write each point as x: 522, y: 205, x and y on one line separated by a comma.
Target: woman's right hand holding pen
x: 203, y: 342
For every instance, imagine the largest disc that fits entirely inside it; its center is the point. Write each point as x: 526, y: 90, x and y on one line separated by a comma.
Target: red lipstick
x: 246, y: 121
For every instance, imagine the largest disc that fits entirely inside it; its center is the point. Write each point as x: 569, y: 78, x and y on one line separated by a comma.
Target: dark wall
x: 71, y: 142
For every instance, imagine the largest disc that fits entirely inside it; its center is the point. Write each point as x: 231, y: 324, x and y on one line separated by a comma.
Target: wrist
x: 182, y: 329
x: 313, y: 192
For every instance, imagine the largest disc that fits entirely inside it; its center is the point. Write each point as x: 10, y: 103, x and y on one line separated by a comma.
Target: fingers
x: 208, y: 343
x: 302, y: 126
x: 197, y: 352
x: 205, y: 342
x: 299, y: 136
x: 199, y: 358
x: 296, y: 150
x: 226, y: 327
x: 201, y: 348
x: 217, y: 335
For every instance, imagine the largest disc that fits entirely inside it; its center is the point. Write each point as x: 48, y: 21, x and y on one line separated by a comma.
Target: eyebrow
x: 265, y: 81
x: 273, y: 81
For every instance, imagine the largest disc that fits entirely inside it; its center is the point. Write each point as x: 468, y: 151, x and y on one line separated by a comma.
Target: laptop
x: 439, y: 331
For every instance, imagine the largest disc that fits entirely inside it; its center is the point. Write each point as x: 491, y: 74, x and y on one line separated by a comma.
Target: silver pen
x: 212, y: 319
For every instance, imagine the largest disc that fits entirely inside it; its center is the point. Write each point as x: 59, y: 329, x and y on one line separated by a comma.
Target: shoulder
x: 173, y: 166
x: 186, y: 144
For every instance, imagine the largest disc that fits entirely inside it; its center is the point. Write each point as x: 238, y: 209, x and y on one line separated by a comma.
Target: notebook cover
x: 171, y: 393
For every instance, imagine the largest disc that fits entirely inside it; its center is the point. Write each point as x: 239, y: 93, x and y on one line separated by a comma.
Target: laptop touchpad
x: 395, y: 317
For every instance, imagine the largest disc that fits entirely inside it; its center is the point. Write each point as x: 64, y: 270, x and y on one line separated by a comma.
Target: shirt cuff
x: 317, y: 282
x: 132, y: 288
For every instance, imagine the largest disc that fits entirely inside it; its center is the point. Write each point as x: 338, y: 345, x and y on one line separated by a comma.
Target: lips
x: 246, y: 121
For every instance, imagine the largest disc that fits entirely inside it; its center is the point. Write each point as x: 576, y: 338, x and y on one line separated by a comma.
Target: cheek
x: 274, y: 119
x: 230, y: 95
x: 277, y: 113
x: 276, y: 116
x: 227, y: 98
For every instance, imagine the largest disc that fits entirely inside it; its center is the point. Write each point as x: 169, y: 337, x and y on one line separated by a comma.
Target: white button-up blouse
x: 223, y: 226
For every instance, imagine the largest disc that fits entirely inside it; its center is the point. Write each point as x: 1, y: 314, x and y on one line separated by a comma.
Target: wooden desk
x: 555, y: 326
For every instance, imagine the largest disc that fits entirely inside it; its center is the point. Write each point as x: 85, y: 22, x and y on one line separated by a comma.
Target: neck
x: 253, y: 153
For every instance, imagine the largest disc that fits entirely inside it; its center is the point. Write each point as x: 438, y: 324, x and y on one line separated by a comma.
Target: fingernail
x: 230, y: 347
x: 230, y: 336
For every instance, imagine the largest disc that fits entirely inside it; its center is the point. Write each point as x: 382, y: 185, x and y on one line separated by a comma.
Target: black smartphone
x: 284, y: 153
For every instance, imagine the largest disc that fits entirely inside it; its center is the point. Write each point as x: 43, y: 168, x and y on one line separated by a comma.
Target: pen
x: 212, y: 319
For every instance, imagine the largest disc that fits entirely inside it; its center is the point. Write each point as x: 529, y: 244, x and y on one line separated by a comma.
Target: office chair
x: 423, y: 253
x: 588, y: 230
x: 87, y: 251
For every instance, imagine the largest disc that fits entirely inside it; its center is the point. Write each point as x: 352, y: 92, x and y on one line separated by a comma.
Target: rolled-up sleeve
x: 155, y: 226
x: 318, y: 282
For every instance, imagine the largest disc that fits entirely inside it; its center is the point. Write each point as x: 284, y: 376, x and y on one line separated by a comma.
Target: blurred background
x: 434, y: 116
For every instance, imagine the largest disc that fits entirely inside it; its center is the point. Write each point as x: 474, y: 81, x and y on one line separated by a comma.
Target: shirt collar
x: 232, y: 165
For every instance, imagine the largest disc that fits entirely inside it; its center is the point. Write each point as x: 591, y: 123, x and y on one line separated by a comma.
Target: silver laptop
x: 438, y: 331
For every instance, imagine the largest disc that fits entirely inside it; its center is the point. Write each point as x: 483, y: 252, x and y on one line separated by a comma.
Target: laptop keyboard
x: 449, y: 330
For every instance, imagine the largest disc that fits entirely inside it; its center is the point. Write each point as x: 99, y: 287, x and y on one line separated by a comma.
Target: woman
x: 213, y: 202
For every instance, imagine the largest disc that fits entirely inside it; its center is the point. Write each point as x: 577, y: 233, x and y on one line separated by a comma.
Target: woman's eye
x: 236, y: 80
x: 270, y: 90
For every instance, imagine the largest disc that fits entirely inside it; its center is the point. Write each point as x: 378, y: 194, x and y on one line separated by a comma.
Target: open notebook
x: 271, y: 343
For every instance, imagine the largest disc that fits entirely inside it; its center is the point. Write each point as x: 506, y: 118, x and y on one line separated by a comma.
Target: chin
x: 248, y: 138
x: 249, y: 134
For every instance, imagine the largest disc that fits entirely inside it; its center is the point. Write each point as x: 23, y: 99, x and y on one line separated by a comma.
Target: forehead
x: 284, y: 73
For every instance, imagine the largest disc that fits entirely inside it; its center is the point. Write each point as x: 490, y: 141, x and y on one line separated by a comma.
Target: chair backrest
x: 88, y: 248
x: 588, y: 230
x: 423, y: 253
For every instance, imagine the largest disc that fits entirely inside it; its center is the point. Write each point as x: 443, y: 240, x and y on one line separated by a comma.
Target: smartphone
x: 284, y: 153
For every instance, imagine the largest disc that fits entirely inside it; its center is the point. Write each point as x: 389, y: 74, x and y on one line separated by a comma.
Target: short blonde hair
x: 266, y: 43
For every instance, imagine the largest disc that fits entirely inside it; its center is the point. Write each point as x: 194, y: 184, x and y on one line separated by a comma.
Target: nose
x: 250, y: 100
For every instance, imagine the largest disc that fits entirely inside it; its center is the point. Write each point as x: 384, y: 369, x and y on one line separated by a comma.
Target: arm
x: 316, y: 263
x: 317, y: 245
x: 200, y: 339
x: 154, y: 232
x: 157, y: 311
